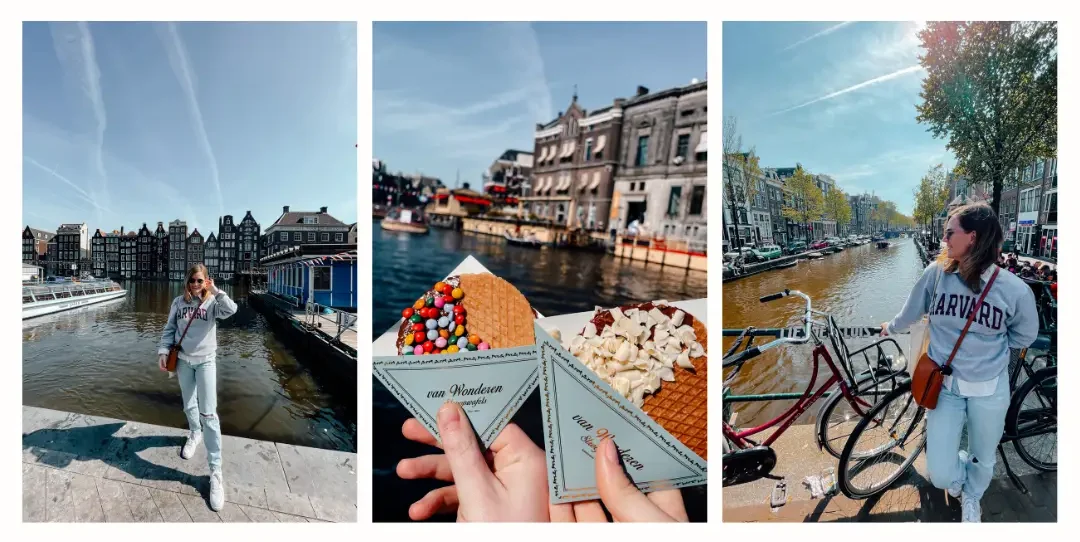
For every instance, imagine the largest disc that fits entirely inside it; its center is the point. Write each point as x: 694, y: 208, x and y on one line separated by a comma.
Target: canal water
x: 554, y: 281
x: 102, y: 360
x: 859, y: 286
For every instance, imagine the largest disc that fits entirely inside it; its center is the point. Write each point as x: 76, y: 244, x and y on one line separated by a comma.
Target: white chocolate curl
x: 623, y: 355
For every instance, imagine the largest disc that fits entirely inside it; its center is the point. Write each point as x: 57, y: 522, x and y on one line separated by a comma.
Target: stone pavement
x: 79, y: 468
x: 912, y: 499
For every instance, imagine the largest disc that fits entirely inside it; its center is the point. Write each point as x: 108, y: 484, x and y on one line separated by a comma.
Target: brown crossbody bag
x: 929, y: 376
x: 174, y: 350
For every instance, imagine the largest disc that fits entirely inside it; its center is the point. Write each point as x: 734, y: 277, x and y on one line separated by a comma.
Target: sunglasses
x: 194, y: 281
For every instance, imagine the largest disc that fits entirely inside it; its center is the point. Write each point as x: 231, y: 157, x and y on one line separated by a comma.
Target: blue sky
x: 125, y: 123
x: 839, y: 98
x: 451, y: 97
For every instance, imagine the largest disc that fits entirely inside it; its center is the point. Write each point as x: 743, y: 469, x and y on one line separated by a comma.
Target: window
x: 339, y: 237
x: 686, y: 112
x: 326, y: 237
x: 311, y: 236
x: 588, y: 149
x: 296, y: 236
x: 311, y: 220
x: 673, y: 201
x: 642, y: 151
x: 1039, y: 168
x: 683, y: 146
x: 641, y: 185
x: 321, y: 278
x: 697, y: 199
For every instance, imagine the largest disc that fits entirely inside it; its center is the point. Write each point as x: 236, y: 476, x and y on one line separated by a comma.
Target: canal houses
x: 160, y: 254
x: 575, y: 159
x: 35, y: 244
x: 97, y: 254
x: 112, y: 254
x: 661, y: 179
x: 177, y: 249
x: 213, y: 261
x: 129, y: 247
x: 228, y: 234
x: 72, y: 245
x: 248, y: 247
x: 295, y: 228
x: 195, y: 249
x: 507, y: 179
x: 448, y: 207
x: 144, y: 253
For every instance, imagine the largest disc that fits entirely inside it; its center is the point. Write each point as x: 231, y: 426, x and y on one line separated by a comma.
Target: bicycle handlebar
x: 773, y: 297
x: 751, y: 352
x: 800, y: 339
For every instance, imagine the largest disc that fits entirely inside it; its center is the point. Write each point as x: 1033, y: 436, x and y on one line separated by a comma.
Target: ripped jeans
x: 198, y: 387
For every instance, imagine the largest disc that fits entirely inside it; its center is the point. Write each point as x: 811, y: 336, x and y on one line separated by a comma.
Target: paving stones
x: 79, y: 468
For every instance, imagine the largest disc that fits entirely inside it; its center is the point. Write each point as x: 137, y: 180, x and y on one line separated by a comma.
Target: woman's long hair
x: 981, y: 219
x: 196, y: 268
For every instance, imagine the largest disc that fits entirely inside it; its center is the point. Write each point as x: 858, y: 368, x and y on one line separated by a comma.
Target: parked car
x: 746, y: 253
x: 768, y: 252
x: 796, y: 247
x: 818, y: 245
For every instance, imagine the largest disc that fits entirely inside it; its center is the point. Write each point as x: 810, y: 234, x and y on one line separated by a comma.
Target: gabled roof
x: 297, y: 217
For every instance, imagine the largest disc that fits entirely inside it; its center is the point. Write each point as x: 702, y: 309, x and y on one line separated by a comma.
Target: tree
x: 741, y: 171
x: 991, y: 90
x: 837, y: 207
x: 931, y: 196
x: 806, y: 199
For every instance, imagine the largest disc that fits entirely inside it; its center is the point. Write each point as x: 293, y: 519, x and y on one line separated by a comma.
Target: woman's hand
x: 210, y: 286
x: 161, y: 359
x: 884, y: 329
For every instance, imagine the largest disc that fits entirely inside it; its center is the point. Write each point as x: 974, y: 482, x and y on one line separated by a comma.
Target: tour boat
x: 48, y: 298
x: 815, y: 255
x: 883, y: 244
x: 404, y: 220
x: 528, y: 241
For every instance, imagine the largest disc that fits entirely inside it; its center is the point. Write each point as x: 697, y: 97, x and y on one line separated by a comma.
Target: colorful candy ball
x: 462, y: 342
x: 452, y: 349
x: 457, y: 293
x: 440, y: 342
x: 432, y: 334
x: 474, y: 338
x: 418, y: 350
x: 419, y: 336
x: 432, y: 324
x: 428, y: 346
x: 483, y: 346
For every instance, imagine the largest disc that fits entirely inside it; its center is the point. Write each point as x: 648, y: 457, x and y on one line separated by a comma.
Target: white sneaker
x: 971, y: 510
x: 191, y: 445
x: 217, y: 491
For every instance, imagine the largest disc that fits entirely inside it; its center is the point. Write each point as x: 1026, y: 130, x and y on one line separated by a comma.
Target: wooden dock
x: 79, y: 468
x: 327, y: 327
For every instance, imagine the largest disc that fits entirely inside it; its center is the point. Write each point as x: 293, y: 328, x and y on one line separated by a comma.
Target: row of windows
x: 298, y: 236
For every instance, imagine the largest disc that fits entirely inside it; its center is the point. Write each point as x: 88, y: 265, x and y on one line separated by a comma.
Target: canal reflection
x: 102, y: 360
x: 554, y: 281
x: 860, y: 286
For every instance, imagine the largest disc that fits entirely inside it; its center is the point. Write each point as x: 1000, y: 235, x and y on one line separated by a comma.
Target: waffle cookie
x: 467, y: 312
x: 674, y: 392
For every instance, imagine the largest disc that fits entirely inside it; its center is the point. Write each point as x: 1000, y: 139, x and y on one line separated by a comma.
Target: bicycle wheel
x: 899, y: 421
x: 837, y: 418
x: 1032, y: 419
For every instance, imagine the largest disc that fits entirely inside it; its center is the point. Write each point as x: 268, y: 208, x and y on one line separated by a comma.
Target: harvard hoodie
x: 200, y: 343
x: 1007, y: 319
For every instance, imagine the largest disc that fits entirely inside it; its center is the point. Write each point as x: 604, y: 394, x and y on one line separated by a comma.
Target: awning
x: 570, y: 149
x: 595, y: 180
x: 543, y: 155
x: 703, y: 143
x: 549, y: 181
x: 584, y: 183
x: 600, y: 144
x: 551, y: 155
x: 564, y: 183
x: 540, y: 184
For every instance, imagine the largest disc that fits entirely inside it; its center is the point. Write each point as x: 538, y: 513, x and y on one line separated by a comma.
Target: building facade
x: 663, y: 165
x: 213, y: 260
x: 195, y: 250
x: 73, y: 246
x: 228, y: 237
x: 178, y: 235
x: 161, y: 253
x: 35, y: 245
x: 112, y: 254
x: 774, y: 196
x: 1048, y: 229
x: 144, y: 253
x: 248, y: 252
x: 129, y: 252
x: 507, y: 179
x: 297, y: 228
x: 97, y: 255
x: 575, y: 156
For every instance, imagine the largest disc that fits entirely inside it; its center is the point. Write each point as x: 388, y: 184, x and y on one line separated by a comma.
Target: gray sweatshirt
x: 200, y: 343
x: 1007, y: 319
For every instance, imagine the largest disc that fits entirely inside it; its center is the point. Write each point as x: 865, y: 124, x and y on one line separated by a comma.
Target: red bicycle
x: 745, y: 460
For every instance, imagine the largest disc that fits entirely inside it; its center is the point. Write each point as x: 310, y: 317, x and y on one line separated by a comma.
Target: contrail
x: 81, y: 193
x: 825, y: 32
x: 853, y: 88
x: 182, y: 69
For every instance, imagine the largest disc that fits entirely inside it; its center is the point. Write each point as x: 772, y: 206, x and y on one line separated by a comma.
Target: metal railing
x: 316, y: 314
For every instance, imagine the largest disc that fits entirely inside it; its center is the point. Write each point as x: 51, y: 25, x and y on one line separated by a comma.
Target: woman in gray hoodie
x: 197, y: 312
x: 976, y: 395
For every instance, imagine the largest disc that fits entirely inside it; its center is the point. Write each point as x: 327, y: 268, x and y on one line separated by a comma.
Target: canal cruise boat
x: 404, y: 220
x: 51, y: 297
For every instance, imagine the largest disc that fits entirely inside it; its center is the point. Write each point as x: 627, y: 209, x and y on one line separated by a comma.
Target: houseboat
x: 404, y: 220
x: 49, y: 298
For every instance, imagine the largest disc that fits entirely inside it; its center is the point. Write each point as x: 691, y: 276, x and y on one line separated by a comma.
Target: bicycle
x: 745, y: 460
x: 1020, y: 424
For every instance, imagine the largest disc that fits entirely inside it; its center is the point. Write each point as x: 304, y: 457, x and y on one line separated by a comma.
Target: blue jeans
x: 198, y: 387
x: 985, y: 419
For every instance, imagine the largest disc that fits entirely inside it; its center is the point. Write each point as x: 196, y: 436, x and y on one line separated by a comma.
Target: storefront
x: 1048, y: 242
x: 1026, y: 243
